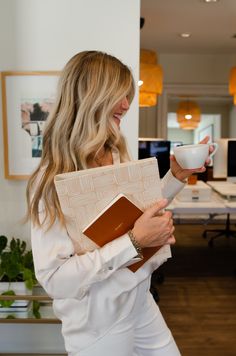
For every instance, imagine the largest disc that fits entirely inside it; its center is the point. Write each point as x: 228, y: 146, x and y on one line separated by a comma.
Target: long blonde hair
x: 79, y: 125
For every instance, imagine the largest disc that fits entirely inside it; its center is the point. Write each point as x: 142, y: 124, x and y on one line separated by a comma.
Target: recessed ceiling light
x: 185, y: 35
x: 210, y: 1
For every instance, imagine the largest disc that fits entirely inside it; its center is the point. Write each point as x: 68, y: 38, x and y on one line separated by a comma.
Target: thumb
x: 156, y: 208
x: 205, y: 140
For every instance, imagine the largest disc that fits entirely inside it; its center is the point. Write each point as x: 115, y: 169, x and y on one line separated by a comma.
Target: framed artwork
x: 27, y: 98
x: 206, y: 131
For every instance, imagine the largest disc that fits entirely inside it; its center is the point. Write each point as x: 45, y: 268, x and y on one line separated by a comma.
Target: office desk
x: 216, y: 206
x: 226, y: 189
x: 231, y: 206
x: 227, y: 192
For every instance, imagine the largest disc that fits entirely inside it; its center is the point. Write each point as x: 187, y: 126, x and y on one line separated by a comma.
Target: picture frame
x: 27, y: 98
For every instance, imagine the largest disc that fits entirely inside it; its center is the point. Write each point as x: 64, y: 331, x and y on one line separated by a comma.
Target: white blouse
x: 92, y: 291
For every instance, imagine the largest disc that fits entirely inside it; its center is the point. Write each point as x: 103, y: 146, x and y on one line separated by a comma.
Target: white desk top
x: 224, y: 188
x: 216, y: 205
x: 231, y: 205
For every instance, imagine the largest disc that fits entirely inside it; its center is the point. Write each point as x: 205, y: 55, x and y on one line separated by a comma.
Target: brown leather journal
x: 114, y: 221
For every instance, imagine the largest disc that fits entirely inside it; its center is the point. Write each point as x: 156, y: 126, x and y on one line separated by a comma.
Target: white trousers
x: 143, y: 333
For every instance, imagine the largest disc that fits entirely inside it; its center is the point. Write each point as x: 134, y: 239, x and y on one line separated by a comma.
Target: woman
x: 103, y: 311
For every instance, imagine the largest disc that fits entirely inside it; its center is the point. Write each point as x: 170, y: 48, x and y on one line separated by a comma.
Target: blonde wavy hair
x: 79, y: 125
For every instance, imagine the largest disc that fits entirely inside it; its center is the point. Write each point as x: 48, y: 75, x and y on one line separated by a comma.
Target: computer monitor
x: 156, y: 148
x: 231, y: 161
x: 224, y: 159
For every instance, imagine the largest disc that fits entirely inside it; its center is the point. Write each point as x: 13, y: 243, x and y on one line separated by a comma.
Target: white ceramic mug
x: 193, y: 156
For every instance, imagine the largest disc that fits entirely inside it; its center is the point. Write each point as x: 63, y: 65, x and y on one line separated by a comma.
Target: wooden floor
x: 198, y: 295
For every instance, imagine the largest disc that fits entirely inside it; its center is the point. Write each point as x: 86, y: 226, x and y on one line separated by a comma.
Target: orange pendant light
x: 151, y: 76
x: 232, y: 83
x: 188, y: 115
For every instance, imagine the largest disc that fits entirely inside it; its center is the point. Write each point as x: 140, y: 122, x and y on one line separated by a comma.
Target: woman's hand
x: 180, y: 173
x: 155, y: 226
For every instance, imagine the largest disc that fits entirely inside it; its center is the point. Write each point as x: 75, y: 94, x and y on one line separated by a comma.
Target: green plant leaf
x: 27, y: 273
x: 36, y: 307
x: 29, y: 278
x: 28, y: 260
x: 10, y: 316
x: 13, y: 244
x: 22, y: 247
x: 7, y: 303
x: 16, y: 264
x: 3, y: 242
x: 10, y: 265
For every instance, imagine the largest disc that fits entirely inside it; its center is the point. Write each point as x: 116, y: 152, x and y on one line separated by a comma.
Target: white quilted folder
x: 84, y: 194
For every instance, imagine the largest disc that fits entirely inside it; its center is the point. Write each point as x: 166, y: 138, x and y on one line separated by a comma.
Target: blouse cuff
x: 171, y: 186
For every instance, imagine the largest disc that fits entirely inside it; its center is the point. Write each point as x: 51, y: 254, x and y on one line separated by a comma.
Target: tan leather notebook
x: 115, y: 220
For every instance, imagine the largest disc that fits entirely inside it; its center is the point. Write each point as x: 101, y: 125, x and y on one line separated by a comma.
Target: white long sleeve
x: 170, y: 186
x: 64, y: 274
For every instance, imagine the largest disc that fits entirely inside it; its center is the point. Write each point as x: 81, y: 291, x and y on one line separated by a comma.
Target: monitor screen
x: 231, y: 160
x: 156, y: 148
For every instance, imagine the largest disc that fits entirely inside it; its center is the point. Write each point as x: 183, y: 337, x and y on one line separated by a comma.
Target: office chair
x: 227, y: 232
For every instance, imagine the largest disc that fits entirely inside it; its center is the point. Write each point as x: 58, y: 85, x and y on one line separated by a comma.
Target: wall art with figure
x: 28, y: 98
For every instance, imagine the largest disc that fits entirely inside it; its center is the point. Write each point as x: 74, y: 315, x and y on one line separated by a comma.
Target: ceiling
x: 212, y: 26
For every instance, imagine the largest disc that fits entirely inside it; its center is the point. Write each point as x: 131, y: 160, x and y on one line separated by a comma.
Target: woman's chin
x: 117, y: 122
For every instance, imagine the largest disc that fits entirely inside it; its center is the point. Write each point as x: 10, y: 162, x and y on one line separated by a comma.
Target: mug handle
x: 215, y: 145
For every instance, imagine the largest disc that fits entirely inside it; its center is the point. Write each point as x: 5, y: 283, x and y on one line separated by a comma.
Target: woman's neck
x: 102, y: 158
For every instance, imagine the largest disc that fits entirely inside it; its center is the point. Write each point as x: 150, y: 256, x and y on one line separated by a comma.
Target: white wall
x: 207, y: 121
x: 196, y: 68
x: 184, y: 136
x: 43, y: 35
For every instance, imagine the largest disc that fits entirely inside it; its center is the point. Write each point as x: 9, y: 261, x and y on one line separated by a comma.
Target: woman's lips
x: 117, y: 118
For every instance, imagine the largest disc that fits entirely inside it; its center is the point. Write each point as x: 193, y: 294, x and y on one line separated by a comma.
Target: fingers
x: 171, y: 228
x: 155, y: 226
x: 156, y: 208
x: 200, y: 170
x: 172, y: 158
x: 171, y: 240
x: 167, y: 224
x: 211, y: 149
x: 205, y: 140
